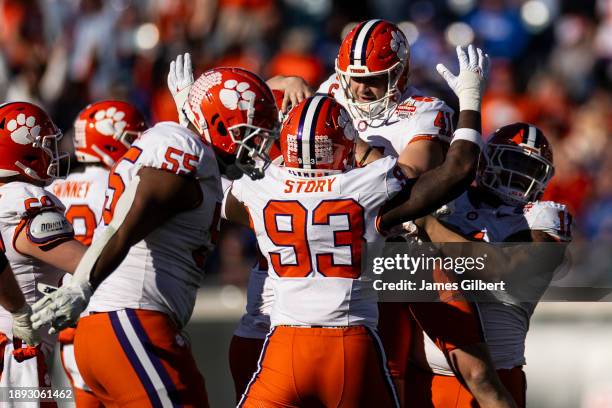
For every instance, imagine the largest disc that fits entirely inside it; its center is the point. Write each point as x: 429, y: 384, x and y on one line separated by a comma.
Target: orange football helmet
x: 373, y: 47
x: 518, y: 164
x: 318, y: 137
x: 29, y: 143
x: 235, y: 112
x: 104, y: 131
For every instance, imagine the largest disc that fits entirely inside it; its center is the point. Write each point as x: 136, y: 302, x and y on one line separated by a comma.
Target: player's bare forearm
x: 160, y: 195
x: 473, y: 365
x: 11, y: 298
x: 438, y: 186
x: 64, y: 256
x: 442, y: 184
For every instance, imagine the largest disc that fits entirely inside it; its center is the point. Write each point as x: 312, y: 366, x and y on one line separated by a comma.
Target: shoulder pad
x: 48, y: 227
x: 20, y: 200
x: 174, y: 148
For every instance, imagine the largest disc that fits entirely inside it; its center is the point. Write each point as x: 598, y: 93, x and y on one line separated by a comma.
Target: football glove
x: 180, y: 79
x: 22, y: 326
x: 470, y: 83
x: 63, y: 307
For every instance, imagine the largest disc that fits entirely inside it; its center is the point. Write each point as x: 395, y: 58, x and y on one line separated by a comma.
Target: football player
x: 247, y: 341
x: 103, y: 133
x: 165, y: 189
x: 34, y: 234
x: 395, y: 118
x: 311, y: 218
x: 503, y: 207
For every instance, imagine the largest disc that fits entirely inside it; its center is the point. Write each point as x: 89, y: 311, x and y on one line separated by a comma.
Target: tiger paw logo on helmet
x: 24, y: 130
x: 398, y: 44
x: 236, y: 95
x: 110, y: 122
x: 346, y: 123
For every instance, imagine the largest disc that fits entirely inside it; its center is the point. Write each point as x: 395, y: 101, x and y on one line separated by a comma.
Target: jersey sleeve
x: 551, y: 218
x: 433, y: 120
x: 174, y: 148
x: 37, y: 212
x: 330, y: 87
x: 24, y: 200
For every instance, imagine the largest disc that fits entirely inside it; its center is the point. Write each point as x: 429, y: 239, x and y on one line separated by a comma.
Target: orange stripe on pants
x: 314, y: 367
x: 137, y: 358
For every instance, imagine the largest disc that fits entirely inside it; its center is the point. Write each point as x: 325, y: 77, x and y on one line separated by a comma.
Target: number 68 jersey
x: 312, y: 232
x: 163, y: 271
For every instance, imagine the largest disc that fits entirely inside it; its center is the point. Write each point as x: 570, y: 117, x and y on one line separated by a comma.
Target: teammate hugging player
x: 395, y: 118
x: 165, y: 189
x: 34, y: 234
x: 323, y: 348
x: 503, y: 207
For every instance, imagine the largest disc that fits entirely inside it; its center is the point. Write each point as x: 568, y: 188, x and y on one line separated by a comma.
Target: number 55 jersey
x: 163, y: 271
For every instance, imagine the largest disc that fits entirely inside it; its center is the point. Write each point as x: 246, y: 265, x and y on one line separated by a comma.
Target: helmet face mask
x: 515, y: 173
x: 254, y: 144
x: 59, y: 162
x: 373, y: 48
x: 372, y: 110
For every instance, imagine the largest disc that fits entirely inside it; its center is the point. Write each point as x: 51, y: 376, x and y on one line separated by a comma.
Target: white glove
x: 445, y: 210
x: 63, y: 307
x: 22, y: 327
x: 180, y: 79
x: 470, y: 83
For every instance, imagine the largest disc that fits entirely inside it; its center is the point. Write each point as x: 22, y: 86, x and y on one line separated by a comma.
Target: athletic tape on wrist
x: 470, y: 135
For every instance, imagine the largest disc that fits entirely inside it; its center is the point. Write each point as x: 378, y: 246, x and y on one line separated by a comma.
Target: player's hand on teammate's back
x: 63, y: 307
x: 469, y: 84
x: 295, y: 89
x: 180, y: 79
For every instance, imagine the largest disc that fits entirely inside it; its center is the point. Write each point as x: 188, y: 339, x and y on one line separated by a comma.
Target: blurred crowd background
x: 551, y: 65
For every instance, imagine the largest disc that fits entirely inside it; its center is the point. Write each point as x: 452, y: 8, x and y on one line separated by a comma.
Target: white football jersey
x: 416, y: 117
x: 19, y: 202
x: 312, y: 232
x: 506, y: 322
x: 163, y: 271
x: 255, y: 323
x: 82, y: 193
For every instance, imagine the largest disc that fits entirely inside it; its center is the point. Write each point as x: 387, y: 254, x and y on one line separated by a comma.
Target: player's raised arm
x: 446, y: 182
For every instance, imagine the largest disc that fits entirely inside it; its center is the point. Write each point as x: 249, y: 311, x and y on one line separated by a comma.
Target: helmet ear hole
x: 221, y: 128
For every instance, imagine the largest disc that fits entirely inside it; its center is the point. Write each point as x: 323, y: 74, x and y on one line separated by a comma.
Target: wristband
x: 470, y: 135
